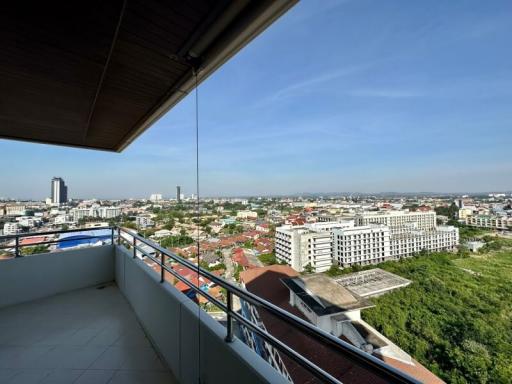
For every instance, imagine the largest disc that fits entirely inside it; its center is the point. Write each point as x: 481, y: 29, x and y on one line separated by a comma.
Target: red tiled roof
x: 417, y: 370
x: 241, y: 259
x: 194, y: 279
x: 33, y: 240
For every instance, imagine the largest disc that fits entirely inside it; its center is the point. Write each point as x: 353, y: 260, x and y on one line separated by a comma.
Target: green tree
x: 26, y: 251
x: 308, y: 268
x: 176, y: 241
x: 452, y: 317
x: 268, y: 258
x: 333, y: 271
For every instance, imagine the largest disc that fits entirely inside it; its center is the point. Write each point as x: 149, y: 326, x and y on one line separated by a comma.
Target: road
x: 230, y: 267
x: 229, y: 275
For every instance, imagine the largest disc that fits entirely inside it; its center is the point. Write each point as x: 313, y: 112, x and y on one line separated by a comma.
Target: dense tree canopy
x: 456, y: 316
x: 176, y: 241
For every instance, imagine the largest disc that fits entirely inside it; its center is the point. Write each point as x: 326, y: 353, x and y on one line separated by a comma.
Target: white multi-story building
x: 363, y: 245
x: 109, y: 212
x: 11, y: 228
x: 299, y: 246
x: 28, y: 221
x: 399, y: 221
x: 443, y: 238
x: 60, y: 219
x: 309, y: 244
x: 143, y: 221
x: 485, y: 221
x: 465, y: 213
x: 387, y: 236
x: 15, y: 210
x: 80, y: 213
x: 247, y: 215
x: 155, y: 197
x: 101, y: 212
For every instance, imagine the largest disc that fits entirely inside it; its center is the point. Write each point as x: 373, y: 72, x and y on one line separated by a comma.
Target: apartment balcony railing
x: 138, y: 247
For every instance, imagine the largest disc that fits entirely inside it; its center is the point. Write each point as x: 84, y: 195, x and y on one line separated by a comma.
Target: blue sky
x: 343, y: 96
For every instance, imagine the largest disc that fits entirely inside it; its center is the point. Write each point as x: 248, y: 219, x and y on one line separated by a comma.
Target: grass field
x: 456, y: 316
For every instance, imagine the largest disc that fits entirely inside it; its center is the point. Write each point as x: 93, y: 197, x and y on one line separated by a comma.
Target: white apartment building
x: 109, y: 212
x: 388, y: 236
x: 399, y: 221
x: 61, y: 219
x: 485, y: 221
x: 363, y: 245
x: 155, y: 197
x: 299, y: 246
x: 464, y: 213
x: 11, y: 228
x: 28, y: 221
x: 102, y: 212
x: 247, y: 215
x: 143, y: 221
x: 310, y: 244
x: 80, y: 213
x: 444, y: 238
x: 14, y: 210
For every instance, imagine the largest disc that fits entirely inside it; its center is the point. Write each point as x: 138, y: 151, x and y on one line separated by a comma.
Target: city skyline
x: 369, y: 109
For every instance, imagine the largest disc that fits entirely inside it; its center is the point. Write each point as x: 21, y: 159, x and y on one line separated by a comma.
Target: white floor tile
x: 87, y: 336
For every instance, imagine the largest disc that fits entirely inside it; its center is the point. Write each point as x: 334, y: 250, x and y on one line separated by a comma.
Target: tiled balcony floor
x: 85, y: 336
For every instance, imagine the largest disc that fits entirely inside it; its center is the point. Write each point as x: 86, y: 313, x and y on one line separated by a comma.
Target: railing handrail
x: 376, y: 365
x: 354, y: 353
x: 47, y: 233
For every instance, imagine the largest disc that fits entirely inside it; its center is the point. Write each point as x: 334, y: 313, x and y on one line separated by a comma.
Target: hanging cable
x: 197, y: 225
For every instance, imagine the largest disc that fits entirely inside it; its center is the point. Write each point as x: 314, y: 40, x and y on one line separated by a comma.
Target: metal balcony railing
x: 134, y: 241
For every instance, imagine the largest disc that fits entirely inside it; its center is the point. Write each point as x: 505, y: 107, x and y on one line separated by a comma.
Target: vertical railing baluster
x: 229, y: 324
x: 112, y: 236
x: 118, y: 235
x: 162, y: 270
x: 134, y: 247
x: 17, y: 248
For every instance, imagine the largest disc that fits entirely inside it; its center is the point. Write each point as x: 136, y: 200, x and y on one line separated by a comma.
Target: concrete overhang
x: 96, y: 74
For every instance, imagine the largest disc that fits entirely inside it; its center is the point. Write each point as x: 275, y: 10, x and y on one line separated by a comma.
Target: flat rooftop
x: 323, y: 295
x: 372, y: 282
x: 85, y: 336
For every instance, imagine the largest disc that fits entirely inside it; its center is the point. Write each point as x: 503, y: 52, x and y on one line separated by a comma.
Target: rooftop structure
x: 346, y: 324
x: 399, y: 221
x: 323, y: 296
x: 84, y: 238
x: 373, y: 282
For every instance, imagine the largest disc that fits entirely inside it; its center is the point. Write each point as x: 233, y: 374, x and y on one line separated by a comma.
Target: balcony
x: 96, y: 75
x: 108, y: 312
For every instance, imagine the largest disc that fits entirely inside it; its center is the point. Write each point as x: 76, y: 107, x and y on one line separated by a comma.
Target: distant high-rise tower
x: 59, y: 191
x: 178, y: 193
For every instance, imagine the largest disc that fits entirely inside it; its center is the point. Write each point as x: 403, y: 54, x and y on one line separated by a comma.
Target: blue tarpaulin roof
x: 74, y: 239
